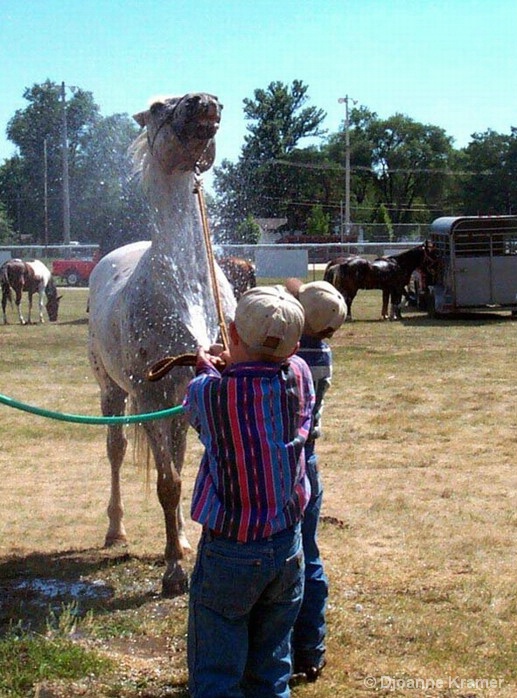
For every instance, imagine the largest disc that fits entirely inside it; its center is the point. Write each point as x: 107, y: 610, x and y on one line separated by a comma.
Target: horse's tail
x: 331, y: 274
x: 5, y: 283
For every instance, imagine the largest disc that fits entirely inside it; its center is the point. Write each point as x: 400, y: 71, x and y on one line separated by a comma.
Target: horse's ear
x: 141, y: 118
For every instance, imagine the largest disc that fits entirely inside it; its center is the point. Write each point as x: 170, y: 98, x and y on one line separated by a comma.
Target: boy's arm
x: 193, y: 401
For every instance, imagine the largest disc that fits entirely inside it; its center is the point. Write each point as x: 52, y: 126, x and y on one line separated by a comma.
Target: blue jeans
x: 244, y: 599
x: 310, y: 627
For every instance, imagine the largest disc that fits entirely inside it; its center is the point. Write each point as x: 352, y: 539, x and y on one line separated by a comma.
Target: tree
x: 37, y: 129
x: 248, y: 232
x: 255, y: 185
x: 279, y: 121
x: 6, y: 231
x: 490, y: 188
x: 109, y: 207
x: 106, y: 206
x: 318, y: 223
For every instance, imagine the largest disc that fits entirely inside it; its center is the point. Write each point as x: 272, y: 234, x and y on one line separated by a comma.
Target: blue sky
x: 450, y: 63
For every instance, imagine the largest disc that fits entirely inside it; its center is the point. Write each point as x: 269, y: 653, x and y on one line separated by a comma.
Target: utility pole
x: 66, y: 186
x: 344, y: 100
x: 45, y: 188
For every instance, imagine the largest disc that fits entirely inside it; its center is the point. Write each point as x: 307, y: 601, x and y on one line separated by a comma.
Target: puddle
x: 56, y: 588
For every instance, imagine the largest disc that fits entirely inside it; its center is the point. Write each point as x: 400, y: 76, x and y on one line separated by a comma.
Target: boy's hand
x: 214, y: 355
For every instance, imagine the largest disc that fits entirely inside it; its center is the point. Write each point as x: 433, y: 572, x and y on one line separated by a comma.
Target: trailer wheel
x: 72, y: 278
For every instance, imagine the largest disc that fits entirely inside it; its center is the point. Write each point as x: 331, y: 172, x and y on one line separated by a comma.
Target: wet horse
x: 32, y: 277
x: 240, y: 273
x: 391, y: 274
x: 148, y: 300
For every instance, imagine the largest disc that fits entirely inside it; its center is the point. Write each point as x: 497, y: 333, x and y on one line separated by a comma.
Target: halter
x: 170, y: 118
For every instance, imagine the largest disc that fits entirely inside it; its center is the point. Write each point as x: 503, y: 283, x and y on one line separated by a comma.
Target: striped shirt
x: 253, y: 420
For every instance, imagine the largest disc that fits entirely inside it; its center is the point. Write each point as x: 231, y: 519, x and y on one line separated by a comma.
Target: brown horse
x: 240, y: 273
x: 32, y: 277
x: 391, y: 274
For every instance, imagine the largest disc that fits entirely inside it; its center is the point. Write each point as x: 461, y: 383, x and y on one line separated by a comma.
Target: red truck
x: 76, y: 272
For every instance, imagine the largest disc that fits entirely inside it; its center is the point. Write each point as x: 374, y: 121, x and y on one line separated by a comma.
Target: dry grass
x: 419, y: 522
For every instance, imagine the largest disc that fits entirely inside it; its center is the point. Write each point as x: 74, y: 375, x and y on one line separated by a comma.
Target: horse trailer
x: 477, y: 267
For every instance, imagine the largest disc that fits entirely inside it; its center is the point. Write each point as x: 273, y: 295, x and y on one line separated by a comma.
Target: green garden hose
x: 84, y: 419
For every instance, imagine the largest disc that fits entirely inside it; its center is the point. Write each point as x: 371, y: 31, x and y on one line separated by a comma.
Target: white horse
x: 32, y: 277
x: 154, y: 299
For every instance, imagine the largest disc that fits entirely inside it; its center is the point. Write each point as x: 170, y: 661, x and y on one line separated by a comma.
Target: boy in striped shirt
x: 252, y: 407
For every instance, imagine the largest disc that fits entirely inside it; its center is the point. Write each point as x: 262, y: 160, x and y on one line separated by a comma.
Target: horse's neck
x: 177, y: 228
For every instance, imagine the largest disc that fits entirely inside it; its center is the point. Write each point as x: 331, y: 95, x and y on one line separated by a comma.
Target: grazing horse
x: 391, y: 274
x: 240, y: 273
x: 32, y: 277
x: 153, y: 299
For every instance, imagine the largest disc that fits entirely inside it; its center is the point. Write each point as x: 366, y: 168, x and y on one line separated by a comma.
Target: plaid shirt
x: 253, y: 419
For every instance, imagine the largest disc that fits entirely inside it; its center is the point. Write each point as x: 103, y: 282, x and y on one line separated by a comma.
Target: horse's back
x: 40, y: 271
x: 111, y: 274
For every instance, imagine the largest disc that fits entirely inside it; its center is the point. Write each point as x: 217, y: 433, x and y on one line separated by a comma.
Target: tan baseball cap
x: 324, y: 306
x: 270, y: 320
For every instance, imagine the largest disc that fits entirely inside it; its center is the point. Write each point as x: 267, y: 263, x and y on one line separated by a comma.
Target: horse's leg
x: 41, y: 305
x: 168, y: 444
x: 396, y: 300
x: 349, y: 299
x: 18, y: 303
x: 113, y: 402
x: 385, y: 303
x: 5, y: 296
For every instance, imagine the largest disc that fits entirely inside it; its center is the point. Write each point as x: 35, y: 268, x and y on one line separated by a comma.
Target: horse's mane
x: 140, y: 154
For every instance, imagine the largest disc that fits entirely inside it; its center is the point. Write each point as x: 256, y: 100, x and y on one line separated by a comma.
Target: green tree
x: 6, y: 231
x: 278, y: 119
x: 110, y: 209
x: 319, y: 221
x: 490, y: 188
x: 248, y: 232
x: 36, y: 130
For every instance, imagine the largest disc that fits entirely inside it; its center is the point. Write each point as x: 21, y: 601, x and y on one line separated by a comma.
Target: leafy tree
x: 109, y: 207
x: 490, y: 188
x: 6, y: 231
x: 248, y: 232
x: 37, y: 129
x: 319, y: 221
x: 105, y: 205
x: 278, y: 120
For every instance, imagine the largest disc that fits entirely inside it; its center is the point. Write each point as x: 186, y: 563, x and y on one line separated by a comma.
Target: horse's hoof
x: 115, y: 541
x: 175, y: 580
x: 174, y: 587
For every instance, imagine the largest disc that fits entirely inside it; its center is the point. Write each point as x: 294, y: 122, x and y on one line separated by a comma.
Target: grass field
x: 418, y: 531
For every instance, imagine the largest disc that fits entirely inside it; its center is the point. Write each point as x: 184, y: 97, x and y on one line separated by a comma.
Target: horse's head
x: 52, y: 304
x: 181, y: 131
x: 430, y: 261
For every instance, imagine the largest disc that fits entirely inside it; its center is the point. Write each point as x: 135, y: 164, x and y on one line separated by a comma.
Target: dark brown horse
x: 391, y: 274
x: 240, y: 273
x: 32, y: 277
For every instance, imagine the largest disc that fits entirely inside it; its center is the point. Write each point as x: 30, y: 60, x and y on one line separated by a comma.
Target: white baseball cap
x: 270, y: 320
x: 324, y: 306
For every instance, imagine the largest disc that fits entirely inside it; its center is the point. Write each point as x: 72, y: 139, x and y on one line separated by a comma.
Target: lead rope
x: 163, y: 366
x: 198, y: 190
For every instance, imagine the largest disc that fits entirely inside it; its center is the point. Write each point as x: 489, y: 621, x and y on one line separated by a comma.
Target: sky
x: 449, y: 63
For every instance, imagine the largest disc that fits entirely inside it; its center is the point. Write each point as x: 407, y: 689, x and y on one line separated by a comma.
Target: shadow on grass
x: 456, y: 319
